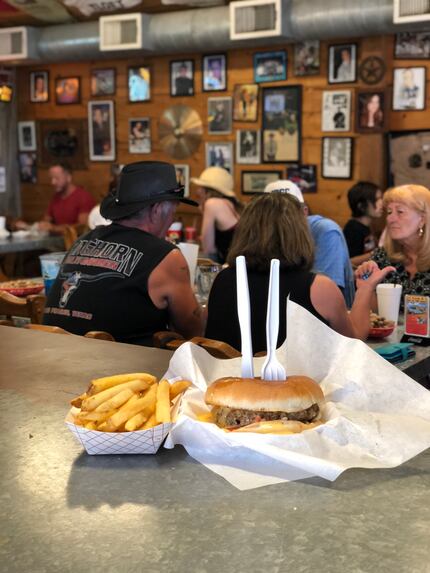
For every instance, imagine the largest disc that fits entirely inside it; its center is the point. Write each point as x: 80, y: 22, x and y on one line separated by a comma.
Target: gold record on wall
x: 180, y: 131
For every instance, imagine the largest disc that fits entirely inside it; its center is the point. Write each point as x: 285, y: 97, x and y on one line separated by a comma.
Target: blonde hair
x: 416, y: 197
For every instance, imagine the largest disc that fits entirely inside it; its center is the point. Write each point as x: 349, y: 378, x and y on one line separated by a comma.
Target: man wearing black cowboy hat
x: 124, y: 278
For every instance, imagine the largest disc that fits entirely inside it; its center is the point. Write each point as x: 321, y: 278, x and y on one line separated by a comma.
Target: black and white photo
x: 337, y: 157
x: 412, y: 46
x: 248, y: 146
x: 342, y: 64
x: 220, y: 155
x: 220, y: 115
x: 307, y: 58
x: 101, y: 130
x: 336, y: 110
x: 409, y: 89
x: 183, y: 177
x: 139, y: 135
x: 182, y: 78
x: 27, y: 136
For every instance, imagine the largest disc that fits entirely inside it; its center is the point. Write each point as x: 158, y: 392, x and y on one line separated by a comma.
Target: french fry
x: 94, y: 416
x: 116, y: 401
x: 77, y: 402
x: 138, y: 419
x: 178, y: 387
x: 90, y: 426
x: 104, y: 428
x: 96, y: 400
x: 100, y: 384
x: 162, y: 408
x: 131, y: 408
x: 150, y: 423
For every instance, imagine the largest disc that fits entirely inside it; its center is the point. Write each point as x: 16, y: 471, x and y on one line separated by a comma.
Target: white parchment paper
x: 376, y: 416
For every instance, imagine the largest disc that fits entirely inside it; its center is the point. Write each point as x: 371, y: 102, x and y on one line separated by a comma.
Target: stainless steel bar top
x: 63, y: 510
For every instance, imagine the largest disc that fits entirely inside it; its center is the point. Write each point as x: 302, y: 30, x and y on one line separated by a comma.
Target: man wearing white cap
x: 331, y: 251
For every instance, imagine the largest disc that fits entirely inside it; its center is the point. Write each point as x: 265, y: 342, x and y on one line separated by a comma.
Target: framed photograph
x: 182, y: 78
x: 270, y: 66
x: 67, y: 90
x: 245, y: 102
x: 412, y: 45
x: 337, y: 157
x: 370, y: 111
x: 220, y: 155
x: 39, y: 86
x: 336, y: 111
x: 27, y: 136
x: 101, y: 130
x: 256, y: 181
x: 342, y: 63
x: 282, y: 124
x: 307, y: 58
x: 214, y: 69
x: 183, y: 177
x: 409, y: 89
x: 103, y: 82
x: 219, y: 115
x: 304, y: 176
x: 139, y: 135
x: 139, y: 84
x: 59, y: 140
x: 27, y: 168
x: 248, y: 146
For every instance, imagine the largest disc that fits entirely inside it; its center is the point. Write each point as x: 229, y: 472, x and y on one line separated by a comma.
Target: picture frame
x: 139, y: 135
x: 101, y: 130
x: 139, y: 84
x: 254, y: 182
x: 27, y: 167
x: 342, y: 63
x: 412, y: 46
x: 270, y: 66
x: 39, y: 86
x: 183, y: 177
x: 68, y: 90
x: 307, y: 58
x: 103, y: 82
x: 304, y: 176
x: 248, y: 146
x: 370, y: 114
x: 27, y: 136
x: 336, y: 110
x: 214, y: 73
x: 245, y: 102
x: 409, y: 89
x: 281, y: 139
x: 220, y: 154
x: 63, y: 141
x: 220, y: 115
x: 181, y: 78
x: 337, y: 157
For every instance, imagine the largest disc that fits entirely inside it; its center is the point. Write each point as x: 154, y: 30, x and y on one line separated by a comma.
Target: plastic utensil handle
x: 244, y: 314
x: 272, y: 319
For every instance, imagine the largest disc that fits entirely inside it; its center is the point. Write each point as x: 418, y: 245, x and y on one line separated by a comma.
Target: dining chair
x: 172, y: 340
x: 70, y: 235
x: 31, y: 307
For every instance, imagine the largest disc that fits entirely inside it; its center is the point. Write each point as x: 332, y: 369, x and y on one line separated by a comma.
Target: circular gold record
x: 180, y: 131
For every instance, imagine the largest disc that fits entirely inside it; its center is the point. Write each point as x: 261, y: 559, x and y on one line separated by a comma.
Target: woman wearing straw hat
x: 221, y: 211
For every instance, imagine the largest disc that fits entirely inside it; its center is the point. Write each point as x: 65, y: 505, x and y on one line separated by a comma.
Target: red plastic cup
x: 190, y: 234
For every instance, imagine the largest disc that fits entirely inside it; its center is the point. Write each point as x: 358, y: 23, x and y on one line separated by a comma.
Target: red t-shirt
x: 66, y: 211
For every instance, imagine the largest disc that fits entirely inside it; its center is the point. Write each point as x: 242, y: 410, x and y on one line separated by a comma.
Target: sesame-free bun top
x: 292, y: 395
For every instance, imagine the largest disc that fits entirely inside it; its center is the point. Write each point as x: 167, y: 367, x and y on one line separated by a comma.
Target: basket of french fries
x: 125, y: 413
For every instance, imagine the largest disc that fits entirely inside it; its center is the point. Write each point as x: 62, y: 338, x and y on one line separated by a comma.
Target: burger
x: 265, y: 406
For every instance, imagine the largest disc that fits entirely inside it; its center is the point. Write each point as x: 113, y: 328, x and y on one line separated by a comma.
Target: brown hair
x: 416, y: 197
x: 273, y: 226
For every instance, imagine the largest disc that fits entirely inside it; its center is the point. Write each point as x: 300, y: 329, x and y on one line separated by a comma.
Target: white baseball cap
x: 285, y: 186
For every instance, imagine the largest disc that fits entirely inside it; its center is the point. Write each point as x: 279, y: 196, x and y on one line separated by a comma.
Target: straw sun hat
x: 216, y: 178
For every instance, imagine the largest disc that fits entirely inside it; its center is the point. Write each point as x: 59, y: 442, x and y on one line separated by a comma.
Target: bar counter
x: 63, y: 510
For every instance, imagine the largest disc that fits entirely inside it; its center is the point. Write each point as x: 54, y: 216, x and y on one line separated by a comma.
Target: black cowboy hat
x: 142, y: 184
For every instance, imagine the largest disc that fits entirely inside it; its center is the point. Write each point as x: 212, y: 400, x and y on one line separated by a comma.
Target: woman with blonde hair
x: 407, y: 240
x: 274, y: 225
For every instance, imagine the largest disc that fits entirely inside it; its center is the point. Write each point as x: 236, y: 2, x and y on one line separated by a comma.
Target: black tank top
x: 223, y: 241
x: 103, y: 285
x: 223, y: 323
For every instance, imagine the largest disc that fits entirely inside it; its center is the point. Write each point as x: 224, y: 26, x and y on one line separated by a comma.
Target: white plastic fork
x: 244, y: 314
x: 272, y: 369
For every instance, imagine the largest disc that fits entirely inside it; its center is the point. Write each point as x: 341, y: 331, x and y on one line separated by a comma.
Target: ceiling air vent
x: 411, y: 11
x: 255, y: 19
x: 13, y: 44
x: 123, y: 32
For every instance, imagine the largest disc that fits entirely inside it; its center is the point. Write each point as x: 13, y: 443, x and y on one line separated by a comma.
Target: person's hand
x: 20, y: 225
x: 368, y: 274
x: 45, y: 226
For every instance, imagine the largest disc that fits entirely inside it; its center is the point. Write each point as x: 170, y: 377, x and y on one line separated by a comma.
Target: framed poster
x: 282, y: 124
x: 67, y: 90
x: 412, y: 45
x: 337, y: 157
x: 214, y: 73
x: 59, y: 141
x: 407, y: 157
x: 101, y: 130
x: 219, y: 115
x: 39, y: 86
x: 256, y: 181
x: 182, y: 78
x: 370, y: 111
x: 409, y: 89
x: 183, y: 177
x: 248, y: 146
x: 103, y: 82
x: 270, y: 66
x: 139, y: 84
x: 342, y: 63
x: 245, y: 102
x: 220, y: 155
x: 27, y: 136
x: 336, y: 111
x: 139, y: 135
x: 307, y: 58
x: 304, y: 176
x: 27, y: 168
